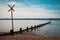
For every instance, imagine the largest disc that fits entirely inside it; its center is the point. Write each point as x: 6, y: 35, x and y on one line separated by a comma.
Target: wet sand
x: 27, y: 36
x: 2, y: 33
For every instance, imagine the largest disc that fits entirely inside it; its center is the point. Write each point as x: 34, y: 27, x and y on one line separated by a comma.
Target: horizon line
x: 30, y: 19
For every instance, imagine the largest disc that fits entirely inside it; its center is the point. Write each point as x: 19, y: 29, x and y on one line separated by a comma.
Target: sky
x: 31, y: 8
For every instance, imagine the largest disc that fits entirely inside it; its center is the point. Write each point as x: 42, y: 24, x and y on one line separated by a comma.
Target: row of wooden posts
x: 27, y: 29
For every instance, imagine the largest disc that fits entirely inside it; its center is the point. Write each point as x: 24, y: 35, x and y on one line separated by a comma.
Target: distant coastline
x: 30, y: 19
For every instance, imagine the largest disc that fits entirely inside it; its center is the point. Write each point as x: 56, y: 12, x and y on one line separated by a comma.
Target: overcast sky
x: 31, y: 8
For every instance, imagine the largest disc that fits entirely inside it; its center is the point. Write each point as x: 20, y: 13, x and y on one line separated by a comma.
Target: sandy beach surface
x: 27, y: 36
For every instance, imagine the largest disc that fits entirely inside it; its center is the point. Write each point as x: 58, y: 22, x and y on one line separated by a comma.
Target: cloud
x: 4, y: 1
x: 33, y: 11
x: 27, y: 2
x: 4, y: 11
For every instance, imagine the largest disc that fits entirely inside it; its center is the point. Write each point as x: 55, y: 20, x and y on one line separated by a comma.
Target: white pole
x: 12, y: 20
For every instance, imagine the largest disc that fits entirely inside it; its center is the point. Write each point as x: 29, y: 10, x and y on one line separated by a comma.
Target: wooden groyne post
x: 35, y: 27
x: 31, y: 28
x: 27, y: 29
x: 21, y: 30
x: 11, y: 31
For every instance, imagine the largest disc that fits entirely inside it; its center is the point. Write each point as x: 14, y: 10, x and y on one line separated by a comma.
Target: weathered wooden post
x: 27, y: 29
x: 35, y: 27
x: 31, y: 28
x: 38, y: 26
x: 21, y: 30
x: 11, y: 31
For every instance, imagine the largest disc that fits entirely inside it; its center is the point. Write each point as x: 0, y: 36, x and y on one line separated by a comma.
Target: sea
x: 52, y: 29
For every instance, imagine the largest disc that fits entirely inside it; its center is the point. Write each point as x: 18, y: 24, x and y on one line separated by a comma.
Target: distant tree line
x: 30, y: 18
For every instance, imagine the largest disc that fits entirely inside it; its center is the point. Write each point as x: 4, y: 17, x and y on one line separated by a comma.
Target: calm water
x: 5, y: 25
x: 52, y: 29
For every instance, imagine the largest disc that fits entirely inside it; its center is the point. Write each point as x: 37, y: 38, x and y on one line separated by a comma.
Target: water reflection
x: 50, y: 29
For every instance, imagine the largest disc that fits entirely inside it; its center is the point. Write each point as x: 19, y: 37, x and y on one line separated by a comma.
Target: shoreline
x: 28, y: 36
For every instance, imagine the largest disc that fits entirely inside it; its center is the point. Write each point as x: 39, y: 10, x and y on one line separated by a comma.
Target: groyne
x: 25, y: 30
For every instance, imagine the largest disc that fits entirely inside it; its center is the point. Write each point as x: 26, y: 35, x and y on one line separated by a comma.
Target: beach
x: 27, y: 36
